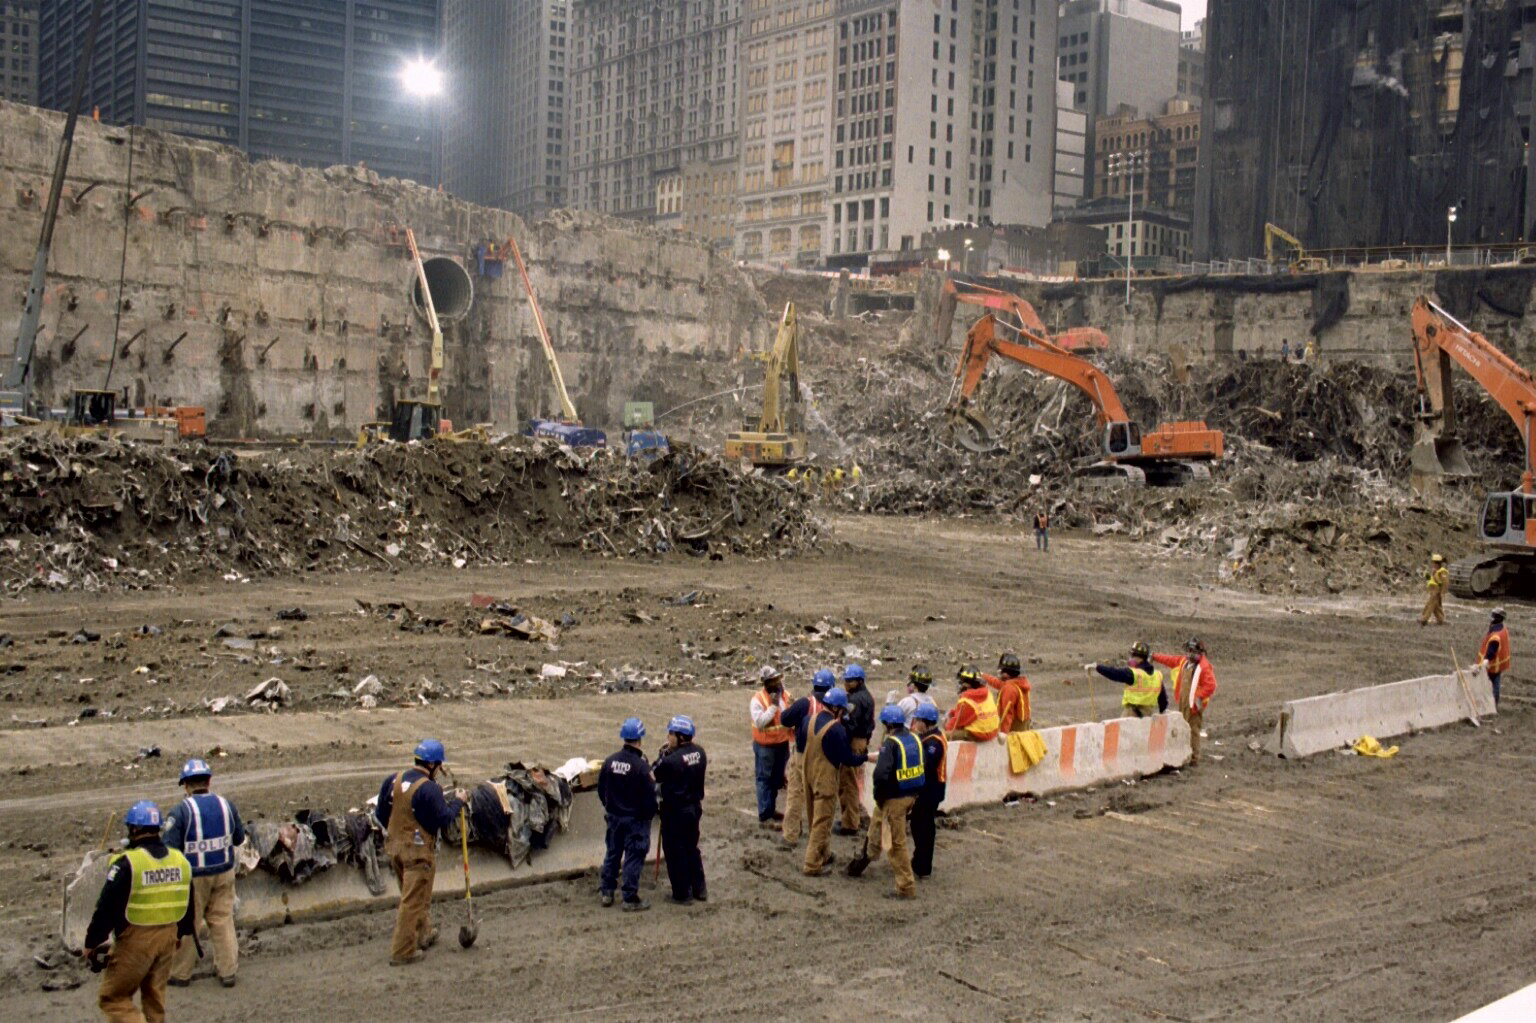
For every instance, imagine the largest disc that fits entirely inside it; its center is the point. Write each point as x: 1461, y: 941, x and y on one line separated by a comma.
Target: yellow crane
x: 776, y: 439
x: 1291, y: 249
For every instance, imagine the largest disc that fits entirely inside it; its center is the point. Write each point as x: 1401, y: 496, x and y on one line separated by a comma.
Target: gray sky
x: 1194, y: 10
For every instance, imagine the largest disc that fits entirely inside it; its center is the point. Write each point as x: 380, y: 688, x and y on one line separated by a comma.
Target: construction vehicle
x: 567, y: 428
x: 1289, y: 246
x: 96, y: 413
x: 1073, y: 339
x: 776, y: 439
x: 1507, y: 567
x: 641, y: 438
x: 1173, y: 454
x: 417, y: 419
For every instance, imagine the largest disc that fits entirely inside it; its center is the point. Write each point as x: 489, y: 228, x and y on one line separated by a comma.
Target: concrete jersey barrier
x: 1076, y: 757
x: 1319, y: 723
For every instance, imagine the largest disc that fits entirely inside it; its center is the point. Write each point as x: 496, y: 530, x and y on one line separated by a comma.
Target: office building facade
x: 18, y: 51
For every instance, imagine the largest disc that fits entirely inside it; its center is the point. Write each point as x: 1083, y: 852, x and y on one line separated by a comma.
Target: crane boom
x: 567, y: 409
x: 435, y: 371
x: 783, y: 361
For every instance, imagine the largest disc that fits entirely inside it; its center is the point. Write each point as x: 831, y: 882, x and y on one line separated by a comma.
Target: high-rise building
x: 308, y: 81
x: 1192, y: 63
x: 1158, y: 156
x: 1071, y: 148
x: 18, y: 51
x: 505, y: 141
x: 652, y: 110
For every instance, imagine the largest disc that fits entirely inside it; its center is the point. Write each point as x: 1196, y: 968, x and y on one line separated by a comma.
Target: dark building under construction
x: 1359, y: 123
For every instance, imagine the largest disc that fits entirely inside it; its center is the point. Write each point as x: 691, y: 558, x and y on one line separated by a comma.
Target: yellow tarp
x: 1025, y: 750
x: 1367, y: 746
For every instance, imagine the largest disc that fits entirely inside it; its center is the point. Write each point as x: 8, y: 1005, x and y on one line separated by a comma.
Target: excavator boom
x: 777, y: 441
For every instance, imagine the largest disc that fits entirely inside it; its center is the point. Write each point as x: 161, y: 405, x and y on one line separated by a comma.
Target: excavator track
x: 1494, y: 575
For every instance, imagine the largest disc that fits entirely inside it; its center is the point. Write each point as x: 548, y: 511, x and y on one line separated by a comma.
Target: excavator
x: 1173, y: 454
x: 1277, y: 240
x: 567, y: 427
x: 1073, y: 339
x: 776, y: 439
x: 1507, y: 566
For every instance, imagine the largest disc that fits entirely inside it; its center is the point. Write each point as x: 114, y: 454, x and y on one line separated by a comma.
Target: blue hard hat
x: 835, y: 698
x: 430, y: 751
x: 823, y: 679
x: 195, y: 768
x: 853, y: 671
x: 927, y: 712
x: 682, y: 725
x: 891, y: 714
x: 632, y: 729
x: 142, y: 814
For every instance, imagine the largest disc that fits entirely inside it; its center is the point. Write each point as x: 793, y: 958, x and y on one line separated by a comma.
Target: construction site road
x: 1248, y: 887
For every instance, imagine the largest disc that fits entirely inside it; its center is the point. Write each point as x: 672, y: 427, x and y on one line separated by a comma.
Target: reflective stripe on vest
x: 160, y: 887
x: 1143, y: 690
x: 943, y: 764
x: 986, y: 714
x: 205, y: 837
x: 1501, y: 664
x: 774, y: 734
x: 909, y: 770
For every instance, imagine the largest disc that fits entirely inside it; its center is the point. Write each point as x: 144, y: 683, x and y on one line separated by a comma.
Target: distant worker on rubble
x: 826, y: 750
x: 898, y: 778
x: 799, y: 716
x: 627, y: 791
x: 770, y: 743
x: 414, y: 813
x: 146, y: 904
x: 1013, y: 713
x: 1194, y: 683
x: 207, y: 828
x: 918, y: 681
x: 680, y: 793
x: 974, y: 717
x: 1042, y: 530
x: 1285, y: 350
x: 1436, y: 580
x: 925, y: 811
x: 1494, y: 656
x: 860, y: 723
x: 1144, y: 695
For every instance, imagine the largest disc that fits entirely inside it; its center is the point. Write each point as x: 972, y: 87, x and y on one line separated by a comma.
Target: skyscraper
x: 309, y: 81
x: 505, y: 140
x: 18, y: 51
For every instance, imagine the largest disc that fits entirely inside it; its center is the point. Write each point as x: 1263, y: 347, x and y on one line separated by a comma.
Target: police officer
x: 898, y: 778
x: 628, y: 794
x: 925, y: 810
x: 680, y: 790
x: 860, y: 722
x: 414, y: 812
x: 146, y: 903
x: 207, y: 828
x: 799, y: 715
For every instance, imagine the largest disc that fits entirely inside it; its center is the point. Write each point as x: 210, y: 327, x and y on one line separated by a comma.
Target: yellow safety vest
x: 1143, y: 690
x: 160, y: 887
x: 987, y: 720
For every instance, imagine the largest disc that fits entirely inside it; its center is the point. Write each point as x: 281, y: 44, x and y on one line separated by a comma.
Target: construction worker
x: 627, y: 791
x: 918, y: 681
x: 974, y: 717
x: 925, y: 810
x: 1042, y: 530
x: 207, y: 828
x: 1495, y: 653
x: 680, y: 793
x: 1436, y: 579
x: 146, y: 907
x: 898, y: 779
x: 826, y: 750
x: 770, y: 743
x: 1012, y: 694
x: 860, y: 724
x: 1143, y: 683
x: 414, y: 813
x: 799, y: 716
x: 1194, y: 683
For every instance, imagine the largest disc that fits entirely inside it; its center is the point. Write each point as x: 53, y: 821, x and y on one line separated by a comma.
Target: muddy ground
x: 1249, y: 888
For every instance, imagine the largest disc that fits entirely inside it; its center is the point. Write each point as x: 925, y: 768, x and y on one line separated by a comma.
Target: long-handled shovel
x: 471, y: 930
x: 1466, y: 691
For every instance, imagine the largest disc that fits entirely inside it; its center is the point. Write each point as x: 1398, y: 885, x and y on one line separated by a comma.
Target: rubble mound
x: 92, y: 512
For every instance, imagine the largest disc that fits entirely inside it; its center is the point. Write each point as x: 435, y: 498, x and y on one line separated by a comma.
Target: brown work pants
x: 140, y: 962
x: 213, y: 914
x: 1196, y: 718
x: 1136, y: 710
x: 794, y: 797
x: 891, y: 816
x: 821, y: 810
x: 413, y: 921
x: 848, y: 788
x: 1434, y: 608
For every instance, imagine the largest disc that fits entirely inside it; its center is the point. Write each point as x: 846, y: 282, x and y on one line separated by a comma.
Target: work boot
x: 180, y: 981
x: 700, y: 894
x: 686, y: 900
x: 427, y: 940
x: 858, y: 865
x: 606, y: 897
x: 414, y: 957
x: 227, y: 981
x: 635, y: 905
x: 839, y: 829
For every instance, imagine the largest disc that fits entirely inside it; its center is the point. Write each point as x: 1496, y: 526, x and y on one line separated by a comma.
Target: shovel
x: 1466, y: 691
x: 471, y: 930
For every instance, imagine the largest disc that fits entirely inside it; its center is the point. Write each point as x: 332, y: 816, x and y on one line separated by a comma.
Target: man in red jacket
x: 1012, y: 694
x: 1194, y: 683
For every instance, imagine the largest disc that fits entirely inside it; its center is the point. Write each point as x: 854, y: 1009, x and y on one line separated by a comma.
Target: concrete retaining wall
x: 1335, y: 720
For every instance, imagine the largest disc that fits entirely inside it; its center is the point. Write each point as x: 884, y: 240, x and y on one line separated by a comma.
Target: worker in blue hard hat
x: 628, y: 794
x: 860, y: 723
x: 415, y: 812
x: 897, y: 779
x: 826, y: 750
x: 680, y: 792
x: 145, y: 907
x: 925, y: 810
x: 798, y: 716
x: 207, y: 829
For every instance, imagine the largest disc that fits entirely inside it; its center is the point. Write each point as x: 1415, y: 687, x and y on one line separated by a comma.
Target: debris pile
x: 91, y: 512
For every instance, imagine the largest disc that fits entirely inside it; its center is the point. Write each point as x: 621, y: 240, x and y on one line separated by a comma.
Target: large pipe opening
x: 452, y: 290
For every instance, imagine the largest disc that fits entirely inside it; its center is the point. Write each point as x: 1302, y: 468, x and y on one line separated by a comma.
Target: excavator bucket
x: 1439, y: 456
x: 974, y: 432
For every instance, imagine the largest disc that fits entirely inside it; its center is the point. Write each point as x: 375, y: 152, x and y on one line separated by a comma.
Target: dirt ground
x: 1248, y: 888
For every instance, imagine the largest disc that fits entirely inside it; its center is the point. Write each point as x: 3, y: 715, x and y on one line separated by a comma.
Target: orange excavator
x: 1173, y: 454
x: 1508, y: 566
x: 1073, y: 339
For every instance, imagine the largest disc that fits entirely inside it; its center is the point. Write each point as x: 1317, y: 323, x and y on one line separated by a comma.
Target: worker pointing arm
x: 1143, y: 682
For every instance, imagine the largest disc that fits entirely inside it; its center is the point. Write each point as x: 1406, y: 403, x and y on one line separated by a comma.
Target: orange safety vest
x: 938, y: 733
x: 986, y: 724
x: 775, y: 734
x: 1497, y: 667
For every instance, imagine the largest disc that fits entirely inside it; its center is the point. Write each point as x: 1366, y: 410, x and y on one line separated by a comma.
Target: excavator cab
x: 1122, y: 440
x: 414, y: 420
x: 1505, y: 517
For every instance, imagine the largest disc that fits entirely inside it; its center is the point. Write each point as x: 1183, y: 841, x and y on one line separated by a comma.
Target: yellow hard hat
x: 1437, y: 557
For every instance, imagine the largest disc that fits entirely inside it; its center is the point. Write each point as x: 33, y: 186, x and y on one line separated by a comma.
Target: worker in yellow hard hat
x: 1437, y: 579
